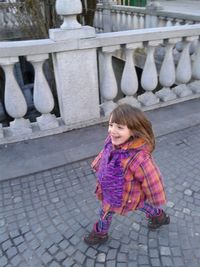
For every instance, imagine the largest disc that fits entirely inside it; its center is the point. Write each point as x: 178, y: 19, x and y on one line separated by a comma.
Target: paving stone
x: 101, y: 257
x: 90, y: 263
x: 122, y: 257
x: 70, y: 250
x: 68, y: 262
x: 143, y: 260
x: 79, y: 257
x: 46, y: 258
x: 91, y: 253
x: 133, y: 264
x: 111, y: 254
x: 114, y: 244
x: 53, y: 249
x: 60, y: 256
x: 11, y: 252
x: 165, y: 251
x: 121, y: 264
x: 54, y: 264
x: 16, y: 260
x: 178, y: 262
x: 155, y: 262
x: 7, y: 244
x: 167, y: 261
x: 3, y: 261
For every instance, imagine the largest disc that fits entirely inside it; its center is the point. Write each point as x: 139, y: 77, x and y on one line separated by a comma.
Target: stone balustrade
x: 130, y: 18
x: 170, y: 60
x: 13, y: 26
x: 170, y: 73
x: 6, y: 18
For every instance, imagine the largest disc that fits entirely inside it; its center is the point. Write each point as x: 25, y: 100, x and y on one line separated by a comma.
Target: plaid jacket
x: 143, y: 180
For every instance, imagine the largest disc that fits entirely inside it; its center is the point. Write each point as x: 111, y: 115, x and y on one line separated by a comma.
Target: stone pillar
x: 75, y: 69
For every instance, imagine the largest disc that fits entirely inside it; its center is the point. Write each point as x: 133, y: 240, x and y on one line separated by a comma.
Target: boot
x: 159, y: 220
x: 94, y: 237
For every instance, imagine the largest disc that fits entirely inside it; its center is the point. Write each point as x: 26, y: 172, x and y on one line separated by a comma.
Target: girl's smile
x: 119, y: 133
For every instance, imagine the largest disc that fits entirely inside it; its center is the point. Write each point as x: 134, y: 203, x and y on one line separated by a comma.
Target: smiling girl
x: 128, y: 178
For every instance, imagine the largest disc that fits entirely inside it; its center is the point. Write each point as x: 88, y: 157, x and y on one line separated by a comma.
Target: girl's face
x: 119, y: 133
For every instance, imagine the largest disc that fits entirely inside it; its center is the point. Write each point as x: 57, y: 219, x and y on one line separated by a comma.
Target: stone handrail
x: 170, y: 54
x: 31, y: 47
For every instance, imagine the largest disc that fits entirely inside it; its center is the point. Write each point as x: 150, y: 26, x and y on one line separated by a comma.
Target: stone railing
x: 118, y: 18
x: 6, y: 18
x: 8, y: 23
x: 86, y: 97
x: 14, y: 26
x: 174, y: 79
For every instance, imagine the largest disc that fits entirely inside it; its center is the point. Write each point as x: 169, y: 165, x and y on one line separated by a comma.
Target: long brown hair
x: 135, y: 120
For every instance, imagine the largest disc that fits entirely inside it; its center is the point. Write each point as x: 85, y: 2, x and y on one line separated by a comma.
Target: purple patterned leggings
x: 104, y: 222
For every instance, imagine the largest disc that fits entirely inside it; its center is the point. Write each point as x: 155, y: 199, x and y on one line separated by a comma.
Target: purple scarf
x: 111, y: 174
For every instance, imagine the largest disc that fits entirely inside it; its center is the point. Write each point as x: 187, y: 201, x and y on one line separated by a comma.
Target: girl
x: 128, y: 178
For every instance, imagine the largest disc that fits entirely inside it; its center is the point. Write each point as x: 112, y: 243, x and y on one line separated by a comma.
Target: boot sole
x: 103, y: 240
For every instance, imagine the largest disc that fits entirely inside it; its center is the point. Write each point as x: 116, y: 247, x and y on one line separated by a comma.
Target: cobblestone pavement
x: 44, y: 216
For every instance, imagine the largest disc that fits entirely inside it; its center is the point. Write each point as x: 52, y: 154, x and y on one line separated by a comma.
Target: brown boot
x: 159, y: 220
x: 95, y: 238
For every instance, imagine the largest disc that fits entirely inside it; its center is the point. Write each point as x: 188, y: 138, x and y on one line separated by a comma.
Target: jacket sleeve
x: 148, y: 174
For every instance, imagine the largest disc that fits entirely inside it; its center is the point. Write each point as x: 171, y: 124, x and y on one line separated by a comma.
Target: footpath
x: 44, y: 214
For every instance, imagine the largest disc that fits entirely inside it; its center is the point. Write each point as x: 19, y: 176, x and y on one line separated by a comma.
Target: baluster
x: 1, y: 19
x: 154, y: 21
x: 128, y: 21
x: 15, y: 102
x: 135, y: 21
x: 169, y: 22
x: 184, y: 70
x: 149, y: 79
x: 161, y: 21
x: 132, y: 20
x: 1, y: 131
x: 129, y: 82
x: 178, y: 22
x: 195, y: 86
x: 95, y: 24
x: 113, y: 20
x: 108, y: 86
x: 141, y: 21
x: 42, y: 95
x: 98, y: 22
x: 123, y: 21
x: 118, y: 18
x: 196, y: 63
x: 101, y: 29
x: 167, y: 74
x: 189, y: 22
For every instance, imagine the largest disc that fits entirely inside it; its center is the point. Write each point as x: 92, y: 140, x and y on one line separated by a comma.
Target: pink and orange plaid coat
x: 143, y: 180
